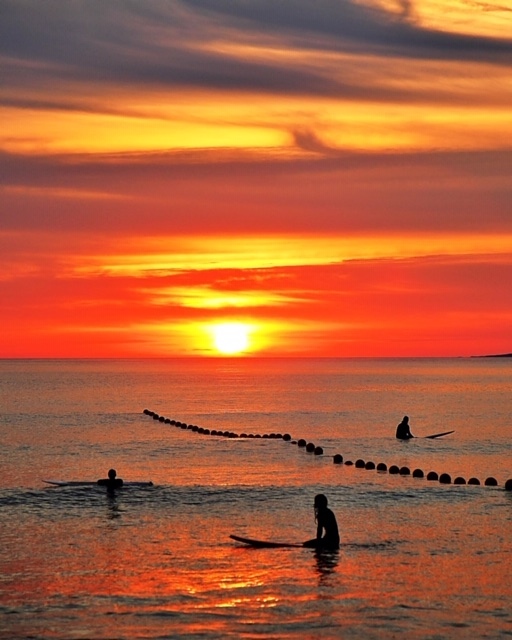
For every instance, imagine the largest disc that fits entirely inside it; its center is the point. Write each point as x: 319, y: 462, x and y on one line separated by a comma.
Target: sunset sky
x: 334, y: 177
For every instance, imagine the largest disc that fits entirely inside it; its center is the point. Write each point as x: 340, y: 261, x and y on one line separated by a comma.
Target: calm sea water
x: 419, y: 559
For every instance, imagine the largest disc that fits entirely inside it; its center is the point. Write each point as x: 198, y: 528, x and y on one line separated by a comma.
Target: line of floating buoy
x: 443, y: 478
x: 214, y: 432
x: 310, y: 447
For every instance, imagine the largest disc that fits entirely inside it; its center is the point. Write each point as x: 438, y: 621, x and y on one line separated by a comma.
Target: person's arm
x: 319, y: 528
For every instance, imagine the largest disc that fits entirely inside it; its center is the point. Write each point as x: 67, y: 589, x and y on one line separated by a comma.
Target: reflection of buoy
x: 491, y: 482
x: 508, y: 484
x: 459, y: 480
x: 405, y: 471
x: 432, y: 475
x: 382, y: 466
x: 318, y: 451
x: 338, y: 458
x: 473, y: 481
x: 417, y: 473
x: 310, y: 447
x: 301, y: 442
x: 393, y: 469
x: 360, y: 464
x: 369, y: 465
x: 445, y: 478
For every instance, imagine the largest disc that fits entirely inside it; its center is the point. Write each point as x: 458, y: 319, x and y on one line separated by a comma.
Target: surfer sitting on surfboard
x: 403, y: 431
x: 111, y: 482
x: 326, y: 521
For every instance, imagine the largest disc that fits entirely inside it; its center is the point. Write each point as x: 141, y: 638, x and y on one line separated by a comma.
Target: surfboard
x: 83, y: 483
x: 264, y: 543
x: 438, y: 435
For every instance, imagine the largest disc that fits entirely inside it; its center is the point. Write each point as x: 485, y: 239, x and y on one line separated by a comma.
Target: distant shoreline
x: 496, y: 355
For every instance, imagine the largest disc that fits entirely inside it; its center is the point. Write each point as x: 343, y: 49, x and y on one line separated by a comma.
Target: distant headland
x: 495, y: 355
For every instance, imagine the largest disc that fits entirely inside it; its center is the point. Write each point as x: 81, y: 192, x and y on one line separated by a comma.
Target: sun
x: 231, y: 337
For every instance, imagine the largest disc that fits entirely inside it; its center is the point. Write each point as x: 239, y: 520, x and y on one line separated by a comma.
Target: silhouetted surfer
x: 326, y: 522
x: 111, y: 482
x: 403, y: 432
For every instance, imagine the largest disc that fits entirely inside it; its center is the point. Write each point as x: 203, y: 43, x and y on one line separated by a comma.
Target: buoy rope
x: 310, y: 447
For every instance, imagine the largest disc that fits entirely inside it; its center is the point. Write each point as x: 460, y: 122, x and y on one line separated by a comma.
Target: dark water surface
x: 419, y: 559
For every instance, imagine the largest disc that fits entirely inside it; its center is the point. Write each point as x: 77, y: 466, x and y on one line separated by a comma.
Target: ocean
x: 418, y: 559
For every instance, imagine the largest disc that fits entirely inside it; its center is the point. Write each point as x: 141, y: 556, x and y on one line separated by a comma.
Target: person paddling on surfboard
x: 326, y: 522
x: 403, y: 432
x: 111, y: 482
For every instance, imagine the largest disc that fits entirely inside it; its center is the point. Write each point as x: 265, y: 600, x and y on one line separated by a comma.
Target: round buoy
x: 251, y: 435
x: 405, y: 471
x: 287, y: 437
x: 393, y: 469
x: 418, y: 473
x: 167, y: 421
x: 349, y: 463
x: 147, y: 412
x: 318, y: 451
x: 432, y: 475
x: 360, y: 464
x: 369, y: 465
x: 491, y: 482
x: 173, y: 422
x: 207, y: 432
x: 193, y: 427
x: 459, y: 480
x: 338, y: 458
x: 310, y: 447
x: 508, y: 484
x: 382, y: 466
x: 445, y: 478
x: 155, y: 416
x: 301, y: 442
x: 161, y: 419
x: 473, y: 481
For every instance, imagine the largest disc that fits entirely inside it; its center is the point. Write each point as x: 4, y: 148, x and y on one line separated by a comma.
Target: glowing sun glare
x: 231, y: 337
